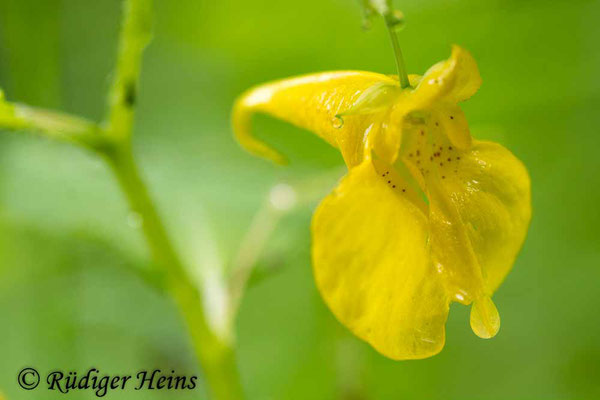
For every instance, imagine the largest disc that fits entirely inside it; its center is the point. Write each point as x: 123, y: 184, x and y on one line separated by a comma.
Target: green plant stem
x: 136, y: 32
x: 215, y: 352
x: 402, y: 74
x: 48, y: 123
x: 216, y: 355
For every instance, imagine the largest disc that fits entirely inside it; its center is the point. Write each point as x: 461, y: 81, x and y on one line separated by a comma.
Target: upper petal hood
x: 453, y: 80
x: 373, y: 115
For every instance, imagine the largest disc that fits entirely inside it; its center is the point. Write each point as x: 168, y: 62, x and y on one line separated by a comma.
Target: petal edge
x: 371, y: 265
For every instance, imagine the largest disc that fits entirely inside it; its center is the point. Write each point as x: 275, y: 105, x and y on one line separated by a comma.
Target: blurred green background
x: 67, y: 300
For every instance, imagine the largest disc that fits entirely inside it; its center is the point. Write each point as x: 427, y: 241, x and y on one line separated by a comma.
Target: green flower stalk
x: 394, y: 21
x: 112, y: 142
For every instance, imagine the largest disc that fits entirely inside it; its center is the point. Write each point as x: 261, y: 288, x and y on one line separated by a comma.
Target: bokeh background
x: 68, y: 300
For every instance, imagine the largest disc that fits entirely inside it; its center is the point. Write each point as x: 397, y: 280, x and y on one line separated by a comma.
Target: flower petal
x: 479, y: 214
x: 312, y: 102
x: 372, y: 267
x: 453, y: 122
x: 453, y: 80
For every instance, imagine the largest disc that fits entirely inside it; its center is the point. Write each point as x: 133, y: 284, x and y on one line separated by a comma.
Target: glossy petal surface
x: 312, y: 102
x: 371, y: 264
x: 490, y: 201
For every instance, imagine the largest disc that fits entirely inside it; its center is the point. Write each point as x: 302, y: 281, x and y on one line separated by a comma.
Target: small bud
x: 383, y: 7
x: 395, y: 20
x: 372, y: 8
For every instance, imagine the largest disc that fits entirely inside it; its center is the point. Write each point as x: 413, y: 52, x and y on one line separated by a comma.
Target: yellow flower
x: 425, y: 215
